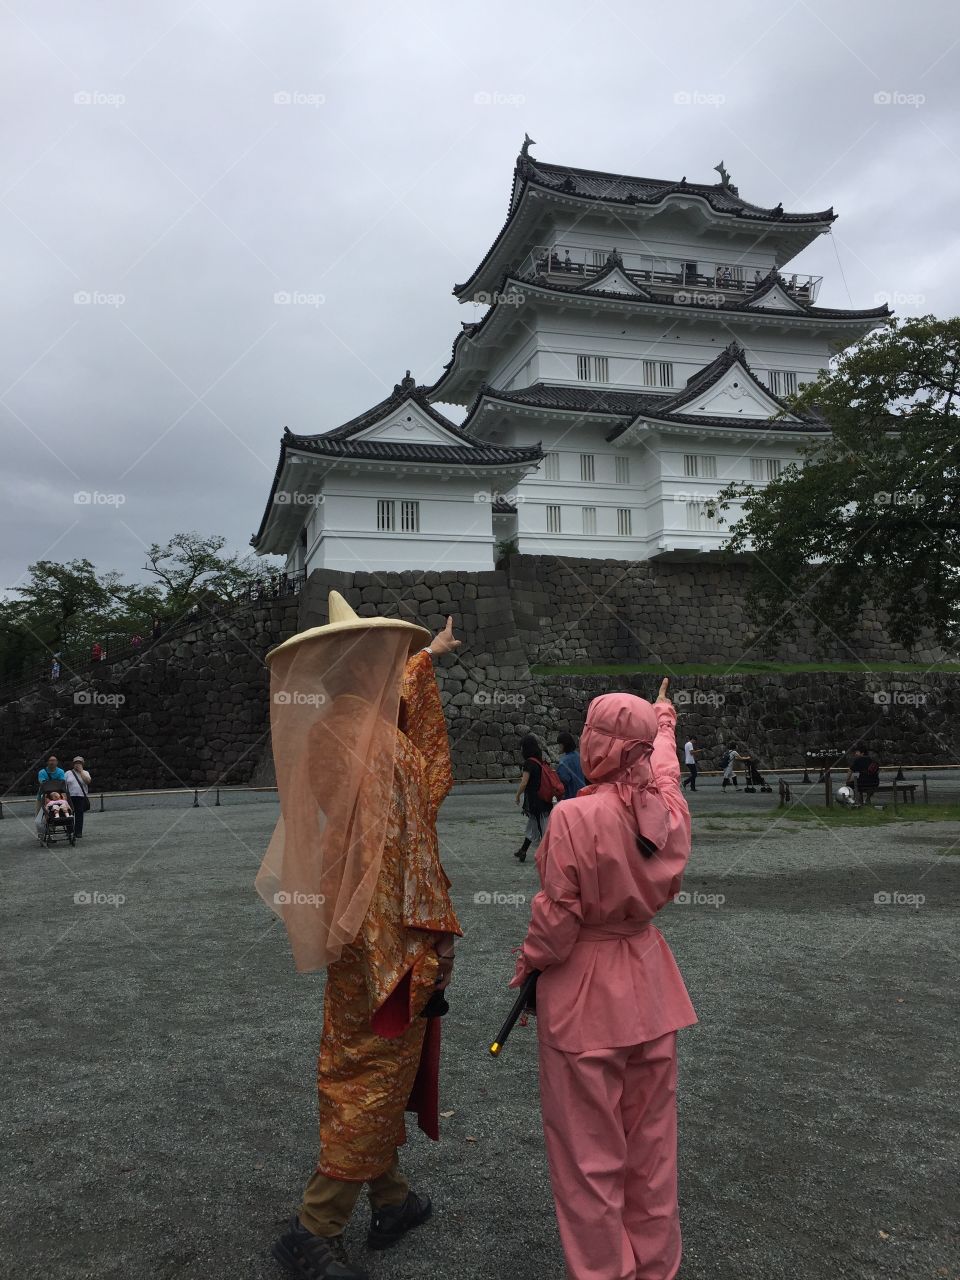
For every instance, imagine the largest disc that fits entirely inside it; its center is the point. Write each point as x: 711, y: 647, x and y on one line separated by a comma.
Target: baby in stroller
x: 55, y: 819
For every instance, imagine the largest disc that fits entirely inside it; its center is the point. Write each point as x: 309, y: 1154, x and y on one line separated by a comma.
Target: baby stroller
x: 755, y: 778
x: 54, y: 826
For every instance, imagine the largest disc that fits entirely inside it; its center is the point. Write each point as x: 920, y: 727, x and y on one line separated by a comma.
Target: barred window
x: 583, y: 368
x: 700, y: 466
x: 624, y: 522
x: 553, y: 519
x: 666, y: 373
x: 622, y: 469
x: 649, y: 373
x: 551, y: 466
x: 410, y: 517
x: 657, y: 373
x: 783, y: 382
x: 700, y: 519
x: 763, y: 469
x: 586, y: 467
x: 386, y: 515
x: 589, y: 519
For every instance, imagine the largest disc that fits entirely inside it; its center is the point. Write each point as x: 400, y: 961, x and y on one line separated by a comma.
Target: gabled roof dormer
x: 771, y: 295
x: 727, y: 388
x: 613, y: 279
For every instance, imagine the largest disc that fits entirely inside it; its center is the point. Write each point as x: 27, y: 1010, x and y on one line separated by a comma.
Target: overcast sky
x: 170, y: 168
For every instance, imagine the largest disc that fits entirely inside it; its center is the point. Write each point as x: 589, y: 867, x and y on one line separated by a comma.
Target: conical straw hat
x: 343, y: 618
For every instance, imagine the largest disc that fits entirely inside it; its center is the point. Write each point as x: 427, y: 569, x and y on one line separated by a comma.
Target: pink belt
x: 612, y: 930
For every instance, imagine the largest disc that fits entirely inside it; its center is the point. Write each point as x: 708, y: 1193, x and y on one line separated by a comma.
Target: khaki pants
x: 328, y: 1202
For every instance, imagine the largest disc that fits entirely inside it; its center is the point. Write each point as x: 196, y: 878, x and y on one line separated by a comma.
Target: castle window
x: 764, y: 469
x: 551, y: 466
x: 624, y: 522
x: 599, y: 257
x: 783, y: 382
x: 553, y: 519
x: 700, y: 466
x: 593, y: 369
x: 622, y: 469
x: 410, y: 517
x: 589, y: 519
x: 657, y: 373
x: 699, y: 519
x: 386, y: 515
x: 586, y: 467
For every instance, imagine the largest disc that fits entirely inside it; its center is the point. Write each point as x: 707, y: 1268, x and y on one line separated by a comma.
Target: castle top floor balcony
x: 667, y: 277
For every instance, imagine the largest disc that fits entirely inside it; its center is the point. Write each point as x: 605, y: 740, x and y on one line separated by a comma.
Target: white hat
x: 344, y: 618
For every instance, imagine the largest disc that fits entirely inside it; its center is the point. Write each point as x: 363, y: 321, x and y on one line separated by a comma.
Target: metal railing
x: 62, y: 664
x: 558, y: 262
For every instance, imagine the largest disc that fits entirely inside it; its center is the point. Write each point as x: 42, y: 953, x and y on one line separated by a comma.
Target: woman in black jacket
x: 535, y: 810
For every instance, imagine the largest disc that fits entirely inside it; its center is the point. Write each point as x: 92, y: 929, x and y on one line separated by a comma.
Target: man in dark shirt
x: 865, y: 773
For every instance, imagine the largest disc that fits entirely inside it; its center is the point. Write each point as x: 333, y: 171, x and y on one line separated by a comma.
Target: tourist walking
x: 610, y: 998
x: 78, y: 789
x: 569, y: 769
x: 864, y: 775
x: 690, y: 753
x: 728, y: 763
x: 536, y: 793
x: 362, y: 893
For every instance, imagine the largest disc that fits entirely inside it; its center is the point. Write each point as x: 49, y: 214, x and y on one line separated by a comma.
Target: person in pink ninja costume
x: 610, y: 998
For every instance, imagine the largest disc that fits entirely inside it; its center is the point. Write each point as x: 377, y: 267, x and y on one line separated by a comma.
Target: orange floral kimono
x: 378, y: 1057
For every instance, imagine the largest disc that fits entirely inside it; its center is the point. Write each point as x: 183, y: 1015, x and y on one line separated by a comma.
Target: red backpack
x: 550, y: 788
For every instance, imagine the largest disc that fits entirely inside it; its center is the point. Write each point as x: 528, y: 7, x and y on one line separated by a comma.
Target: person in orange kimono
x: 610, y: 998
x: 353, y: 869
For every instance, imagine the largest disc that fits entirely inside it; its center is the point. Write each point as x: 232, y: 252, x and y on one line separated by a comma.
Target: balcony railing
x: 557, y: 263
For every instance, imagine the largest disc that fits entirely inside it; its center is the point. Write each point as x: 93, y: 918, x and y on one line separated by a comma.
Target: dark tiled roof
x: 735, y: 424
x: 624, y: 404
x: 406, y: 389
x: 472, y: 453
x: 501, y: 507
x: 591, y: 184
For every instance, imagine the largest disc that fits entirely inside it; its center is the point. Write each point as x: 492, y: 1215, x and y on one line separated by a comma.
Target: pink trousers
x: 610, y: 1122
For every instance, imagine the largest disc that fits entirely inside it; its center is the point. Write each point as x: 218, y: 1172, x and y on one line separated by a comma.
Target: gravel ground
x: 160, y: 1054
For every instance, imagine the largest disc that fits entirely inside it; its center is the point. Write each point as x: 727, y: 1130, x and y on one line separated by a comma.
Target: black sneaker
x: 390, y: 1223
x: 311, y: 1257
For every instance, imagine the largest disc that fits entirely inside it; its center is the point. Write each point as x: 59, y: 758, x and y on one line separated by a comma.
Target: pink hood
x: 615, y: 750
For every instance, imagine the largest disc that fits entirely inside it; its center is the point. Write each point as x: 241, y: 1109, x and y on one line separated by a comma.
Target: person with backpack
x: 539, y: 786
x: 864, y: 774
x: 569, y: 769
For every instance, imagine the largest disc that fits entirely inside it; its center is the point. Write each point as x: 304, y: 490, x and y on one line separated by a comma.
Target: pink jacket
x: 608, y: 978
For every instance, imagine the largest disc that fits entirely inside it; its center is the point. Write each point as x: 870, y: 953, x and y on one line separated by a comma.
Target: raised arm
x: 664, y: 762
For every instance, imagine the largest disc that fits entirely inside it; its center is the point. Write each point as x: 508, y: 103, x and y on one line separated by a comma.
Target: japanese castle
x: 640, y: 346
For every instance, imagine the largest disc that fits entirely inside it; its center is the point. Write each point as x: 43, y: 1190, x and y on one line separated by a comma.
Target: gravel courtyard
x: 160, y: 1105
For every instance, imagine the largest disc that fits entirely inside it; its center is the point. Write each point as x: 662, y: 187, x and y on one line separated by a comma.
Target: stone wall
x: 195, y: 710
x: 570, y: 611
x: 183, y: 713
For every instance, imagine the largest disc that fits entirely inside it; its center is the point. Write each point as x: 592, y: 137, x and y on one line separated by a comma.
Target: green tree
x: 872, y: 515
x: 191, y: 569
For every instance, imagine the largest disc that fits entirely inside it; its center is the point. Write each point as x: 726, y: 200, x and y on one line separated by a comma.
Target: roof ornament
x: 405, y: 385
x: 721, y: 168
x: 778, y: 211
x: 528, y: 142
x: 614, y: 259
